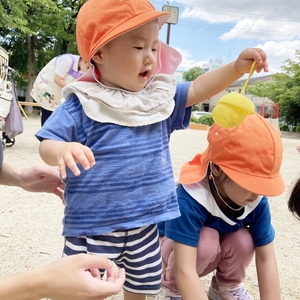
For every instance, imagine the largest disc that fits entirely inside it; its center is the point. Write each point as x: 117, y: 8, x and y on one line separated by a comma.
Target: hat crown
x: 254, y: 147
x: 100, y: 21
x: 249, y: 154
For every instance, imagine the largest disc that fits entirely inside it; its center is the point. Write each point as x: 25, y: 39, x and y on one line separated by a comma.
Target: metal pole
x: 168, y: 34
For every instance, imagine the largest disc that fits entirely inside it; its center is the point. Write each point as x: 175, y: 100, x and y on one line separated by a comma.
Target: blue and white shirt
x: 132, y: 183
x: 198, y: 208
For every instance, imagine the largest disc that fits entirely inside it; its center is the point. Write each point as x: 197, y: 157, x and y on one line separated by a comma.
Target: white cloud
x: 279, y: 52
x: 188, y: 62
x: 263, y: 29
x: 187, y: 59
x: 264, y: 20
x: 275, y: 9
x: 208, y: 16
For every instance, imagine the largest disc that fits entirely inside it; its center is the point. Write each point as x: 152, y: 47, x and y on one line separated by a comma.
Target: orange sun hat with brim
x: 249, y: 154
x: 100, y: 21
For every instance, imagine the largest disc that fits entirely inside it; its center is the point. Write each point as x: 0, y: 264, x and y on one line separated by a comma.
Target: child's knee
x: 209, y: 243
x: 240, y: 241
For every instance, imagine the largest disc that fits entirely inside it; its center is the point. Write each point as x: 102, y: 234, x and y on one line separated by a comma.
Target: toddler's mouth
x: 144, y: 74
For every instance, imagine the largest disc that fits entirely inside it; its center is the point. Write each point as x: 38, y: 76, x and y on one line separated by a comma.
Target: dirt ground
x: 30, y: 224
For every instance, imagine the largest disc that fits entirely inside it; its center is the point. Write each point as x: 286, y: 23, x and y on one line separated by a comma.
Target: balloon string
x: 249, y: 76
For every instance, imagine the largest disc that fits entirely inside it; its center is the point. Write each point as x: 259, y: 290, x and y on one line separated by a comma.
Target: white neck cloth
x: 105, y: 104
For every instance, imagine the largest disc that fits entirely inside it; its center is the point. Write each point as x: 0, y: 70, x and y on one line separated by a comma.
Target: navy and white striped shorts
x: 135, y: 250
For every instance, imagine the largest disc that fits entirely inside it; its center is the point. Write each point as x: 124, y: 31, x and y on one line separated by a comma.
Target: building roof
x: 252, y: 80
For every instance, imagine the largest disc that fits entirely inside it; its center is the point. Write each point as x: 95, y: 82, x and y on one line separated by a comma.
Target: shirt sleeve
x: 61, y: 126
x: 186, y: 228
x: 260, y: 225
x: 63, y: 65
x: 181, y: 115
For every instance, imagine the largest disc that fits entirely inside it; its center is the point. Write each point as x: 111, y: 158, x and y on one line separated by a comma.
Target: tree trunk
x: 31, y: 42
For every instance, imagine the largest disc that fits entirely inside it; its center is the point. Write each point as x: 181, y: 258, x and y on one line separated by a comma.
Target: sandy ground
x: 30, y: 224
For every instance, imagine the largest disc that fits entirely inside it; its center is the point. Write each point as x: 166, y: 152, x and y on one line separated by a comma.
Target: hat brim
x: 195, y: 170
x: 257, y: 185
x: 131, y: 24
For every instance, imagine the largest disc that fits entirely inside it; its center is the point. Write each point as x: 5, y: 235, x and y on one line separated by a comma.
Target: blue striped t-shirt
x: 132, y: 183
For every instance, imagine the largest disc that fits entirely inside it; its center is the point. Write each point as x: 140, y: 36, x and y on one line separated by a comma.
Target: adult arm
x: 187, y: 279
x: 66, y: 278
x: 63, y: 65
x: 267, y: 272
x: 34, y: 179
x: 213, y: 82
x: 59, y: 80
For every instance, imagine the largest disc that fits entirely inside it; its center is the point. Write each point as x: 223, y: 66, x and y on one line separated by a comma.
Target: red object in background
x: 269, y: 110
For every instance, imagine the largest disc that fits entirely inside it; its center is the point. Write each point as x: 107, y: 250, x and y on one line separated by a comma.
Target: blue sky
x: 220, y: 30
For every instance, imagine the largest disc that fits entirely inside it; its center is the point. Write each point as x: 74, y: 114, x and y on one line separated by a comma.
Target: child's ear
x: 216, y: 170
x: 97, y: 57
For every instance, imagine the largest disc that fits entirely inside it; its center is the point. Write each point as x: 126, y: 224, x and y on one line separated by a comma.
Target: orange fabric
x: 250, y: 154
x: 100, y: 21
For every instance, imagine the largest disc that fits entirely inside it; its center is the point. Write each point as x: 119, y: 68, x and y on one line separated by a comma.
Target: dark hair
x: 294, y: 200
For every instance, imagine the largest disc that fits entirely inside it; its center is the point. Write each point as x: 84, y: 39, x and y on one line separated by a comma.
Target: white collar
x: 104, y: 104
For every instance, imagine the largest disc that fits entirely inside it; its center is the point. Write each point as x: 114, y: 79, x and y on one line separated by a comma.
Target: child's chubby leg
x: 136, y: 250
x: 237, y: 252
x: 208, y: 257
x: 141, y: 259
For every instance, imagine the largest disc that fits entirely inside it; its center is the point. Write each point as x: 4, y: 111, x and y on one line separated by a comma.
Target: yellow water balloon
x: 233, y: 108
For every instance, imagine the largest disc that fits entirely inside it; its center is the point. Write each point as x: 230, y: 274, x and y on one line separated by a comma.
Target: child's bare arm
x: 211, y: 83
x: 62, y: 154
x: 267, y: 272
x: 187, y: 279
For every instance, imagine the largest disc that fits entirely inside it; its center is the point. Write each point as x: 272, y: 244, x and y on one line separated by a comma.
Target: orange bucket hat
x: 100, y: 21
x: 249, y: 154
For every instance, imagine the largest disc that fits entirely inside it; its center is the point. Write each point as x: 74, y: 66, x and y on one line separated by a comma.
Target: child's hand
x: 70, y: 154
x: 244, y: 61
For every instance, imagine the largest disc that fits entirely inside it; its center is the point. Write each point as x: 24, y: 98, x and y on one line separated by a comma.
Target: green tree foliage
x: 260, y: 89
x: 284, y: 89
x: 192, y: 73
x: 35, y: 31
x: 11, y: 13
x: 206, y: 119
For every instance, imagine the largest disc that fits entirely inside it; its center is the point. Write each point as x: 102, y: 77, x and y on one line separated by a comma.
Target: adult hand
x: 42, y: 179
x: 70, y: 278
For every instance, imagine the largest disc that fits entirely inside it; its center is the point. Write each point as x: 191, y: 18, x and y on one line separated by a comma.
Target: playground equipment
x: 270, y: 111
